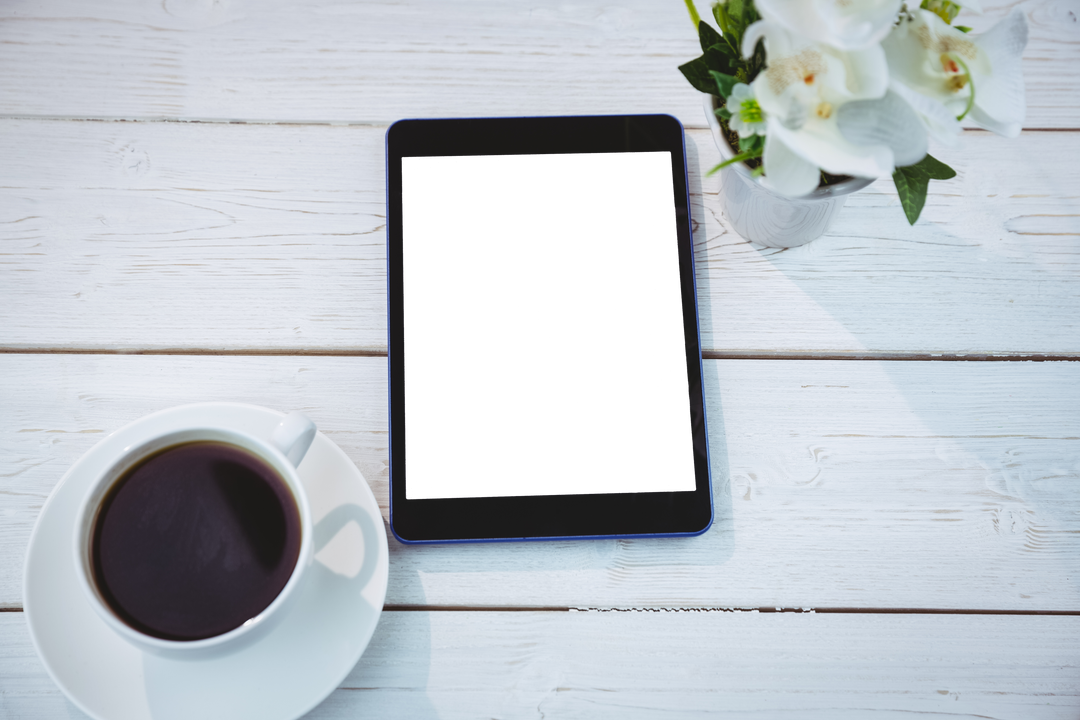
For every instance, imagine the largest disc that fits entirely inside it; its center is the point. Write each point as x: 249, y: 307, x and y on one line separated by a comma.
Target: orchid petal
x: 908, y: 59
x: 832, y: 75
x: 999, y: 96
x: 993, y: 124
x: 1005, y: 42
x: 794, y: 15
x: 820, y: 143
x: 868, y: 72
x: 843, y: 24
x: 887, y: 121
x: 778, y: 42
x: 801, y: 90
x: 786, y: 172
x: 922, y: 48
x: 937, y: 118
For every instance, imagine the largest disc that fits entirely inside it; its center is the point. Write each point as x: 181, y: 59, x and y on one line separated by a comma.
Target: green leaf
x: 756, y: 61
x: 752, y: 143
x: 729, y: 26
x: 734, y: 11
x: 724, y: 83
x: 913, y: 181
x: 708, y: 36
x: 962, y: 28
x: 720, y: 55
x: 912, y: 195
x: 750, y: 14
x: 697, y: 74
x: 934, y: 168
x: 720, y: 59
x: 720, y: 15
x: 723, y: 112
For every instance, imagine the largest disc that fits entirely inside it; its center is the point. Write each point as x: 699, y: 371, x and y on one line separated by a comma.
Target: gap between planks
x: 705, y: 355
x: 243, y: 352
x: 799, y: 610
x: 334, y: 123
x: 808, y: 610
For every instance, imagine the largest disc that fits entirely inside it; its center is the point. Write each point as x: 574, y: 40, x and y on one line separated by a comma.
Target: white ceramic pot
x: 764, y: 216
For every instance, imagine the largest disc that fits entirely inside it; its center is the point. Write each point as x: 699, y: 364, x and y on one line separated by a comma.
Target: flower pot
x: 763, y: 216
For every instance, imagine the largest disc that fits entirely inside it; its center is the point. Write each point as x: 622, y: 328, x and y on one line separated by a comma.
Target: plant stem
x: 971, y: 81
x: 693, y: 13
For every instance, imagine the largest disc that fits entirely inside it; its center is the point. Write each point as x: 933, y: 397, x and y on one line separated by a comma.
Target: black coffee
x: 195, y: 540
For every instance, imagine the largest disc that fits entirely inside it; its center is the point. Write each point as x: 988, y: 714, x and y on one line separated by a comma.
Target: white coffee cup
x: 282, y: 452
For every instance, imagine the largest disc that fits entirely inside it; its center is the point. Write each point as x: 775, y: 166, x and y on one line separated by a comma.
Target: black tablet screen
x: 543, y: 324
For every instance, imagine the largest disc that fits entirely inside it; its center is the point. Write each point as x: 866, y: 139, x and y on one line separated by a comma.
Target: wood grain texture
x: 836, y: 483
x: 178, y: 236
x: 857, y: 485
x: 424, y: 665
x: 327, y: 60
x: 153, y: 236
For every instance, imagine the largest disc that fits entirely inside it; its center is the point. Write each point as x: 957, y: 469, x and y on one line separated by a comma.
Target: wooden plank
x: 989, y: 269
x: 326, y: 60
x: 836, y: 483
x: 180, y: 236
x: 668, y: 665
x: 154, y: 236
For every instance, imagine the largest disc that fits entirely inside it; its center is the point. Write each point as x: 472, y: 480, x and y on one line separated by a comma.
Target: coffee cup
x: 196, y: 542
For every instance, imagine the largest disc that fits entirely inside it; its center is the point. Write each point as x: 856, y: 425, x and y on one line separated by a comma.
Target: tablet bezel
x: 543, y: 517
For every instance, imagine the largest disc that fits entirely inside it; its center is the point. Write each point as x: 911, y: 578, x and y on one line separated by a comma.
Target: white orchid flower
x: 977, y: 76
x: 828, y: 109
x: 746, y: 116
x: 842, y: 24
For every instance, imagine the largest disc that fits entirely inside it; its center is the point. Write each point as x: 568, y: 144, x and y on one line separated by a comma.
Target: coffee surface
x: 195, y: 540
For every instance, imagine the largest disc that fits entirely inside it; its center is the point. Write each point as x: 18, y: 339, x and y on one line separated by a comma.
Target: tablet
x: 544, y: 358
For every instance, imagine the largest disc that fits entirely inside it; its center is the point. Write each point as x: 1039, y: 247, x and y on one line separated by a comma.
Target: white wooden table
x: 192, y: 208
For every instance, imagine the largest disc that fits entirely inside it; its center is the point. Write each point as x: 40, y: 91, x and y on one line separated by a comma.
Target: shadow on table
x: 604, y: 573
x: 282, y: 672
x: 721, y: 536
x: 977, y: 455
x: 393, y: 676
x: 593, y: 573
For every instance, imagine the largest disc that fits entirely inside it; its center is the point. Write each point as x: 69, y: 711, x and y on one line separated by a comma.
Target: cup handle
x: 293, y: 436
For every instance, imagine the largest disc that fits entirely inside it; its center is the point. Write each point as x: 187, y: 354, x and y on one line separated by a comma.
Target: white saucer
x: 280, y: 677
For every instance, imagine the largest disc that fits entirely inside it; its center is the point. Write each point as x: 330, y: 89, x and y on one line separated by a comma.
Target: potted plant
x: 810, y: 100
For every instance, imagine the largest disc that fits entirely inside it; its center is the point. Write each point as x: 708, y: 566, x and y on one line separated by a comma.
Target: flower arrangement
x: 813, y: 89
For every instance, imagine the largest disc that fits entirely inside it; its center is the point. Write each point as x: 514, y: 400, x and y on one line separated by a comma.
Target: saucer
x: 281, y: 676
